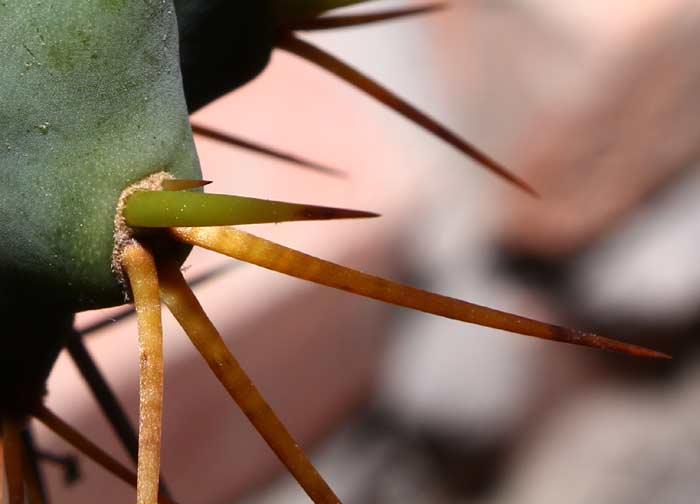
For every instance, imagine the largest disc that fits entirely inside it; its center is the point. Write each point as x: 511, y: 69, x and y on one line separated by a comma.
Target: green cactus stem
x: 92, y: 101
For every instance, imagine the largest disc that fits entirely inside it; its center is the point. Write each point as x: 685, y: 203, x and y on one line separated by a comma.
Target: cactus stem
x: 236, y: 141
x: 158, y: 209
x: 12, y: 452
x: 332, y: 22
x: 252, y: 249
x: 141, y: 271
x: 183, y: 304
x: 328, y: 62
x: 88, y: 448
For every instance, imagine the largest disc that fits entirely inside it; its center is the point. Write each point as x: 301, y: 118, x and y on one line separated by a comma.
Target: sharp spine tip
x: 183, y: 184
x: 252, y: 249
x: 242, y: 143
x: 158, y: 209
x: 595, y: 341
x: 290, y: 43
x: 341, y: 213
x: 356, y: 20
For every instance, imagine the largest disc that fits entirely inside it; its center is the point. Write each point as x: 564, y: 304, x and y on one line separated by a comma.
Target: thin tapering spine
x: 183, y: 184
x: 106, y: 399
x: 2, y: 471
x: 88, y: 448
x: 345, y: 72
x: 36, y: 491
x: 158, y: 209
x: 350, y: 21
x: 252, y: 249
x: 286, y: 10
x: 13, y: 456
x: 104, y: 395
x: 128, y: 311
x: 237, y: 141
x: 180, y: 300
x: 143, y: 280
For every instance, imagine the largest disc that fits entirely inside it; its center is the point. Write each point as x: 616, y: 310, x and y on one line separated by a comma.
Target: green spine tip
x: 349, y: 21
x: 183, y: 184
x: 161, y: 209
x: 236, y: 141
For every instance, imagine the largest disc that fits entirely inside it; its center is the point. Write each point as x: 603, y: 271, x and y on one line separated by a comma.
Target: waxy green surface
x: 91, y: 101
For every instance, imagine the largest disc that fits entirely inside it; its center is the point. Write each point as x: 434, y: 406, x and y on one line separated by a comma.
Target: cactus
x: 100, y: 200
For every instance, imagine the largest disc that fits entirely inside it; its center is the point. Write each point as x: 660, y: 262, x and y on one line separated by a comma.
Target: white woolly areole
x: 123, y: 234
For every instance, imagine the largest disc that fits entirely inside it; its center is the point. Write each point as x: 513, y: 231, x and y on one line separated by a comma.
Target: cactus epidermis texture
x: 91, y: 101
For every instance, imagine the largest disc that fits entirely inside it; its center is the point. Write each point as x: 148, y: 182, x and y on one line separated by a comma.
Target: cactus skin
x: 29, y: 349
x: 223, y: 45
x: 91, y: 101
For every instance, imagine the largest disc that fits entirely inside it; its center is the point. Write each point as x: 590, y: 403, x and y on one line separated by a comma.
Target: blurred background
x: 593, y: 103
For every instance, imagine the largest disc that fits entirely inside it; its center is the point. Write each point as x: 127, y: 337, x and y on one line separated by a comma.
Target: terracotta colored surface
x: 633, y: 127
x: 593, y: 104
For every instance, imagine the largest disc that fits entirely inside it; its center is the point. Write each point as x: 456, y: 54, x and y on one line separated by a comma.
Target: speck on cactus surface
x: 100, y: 201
